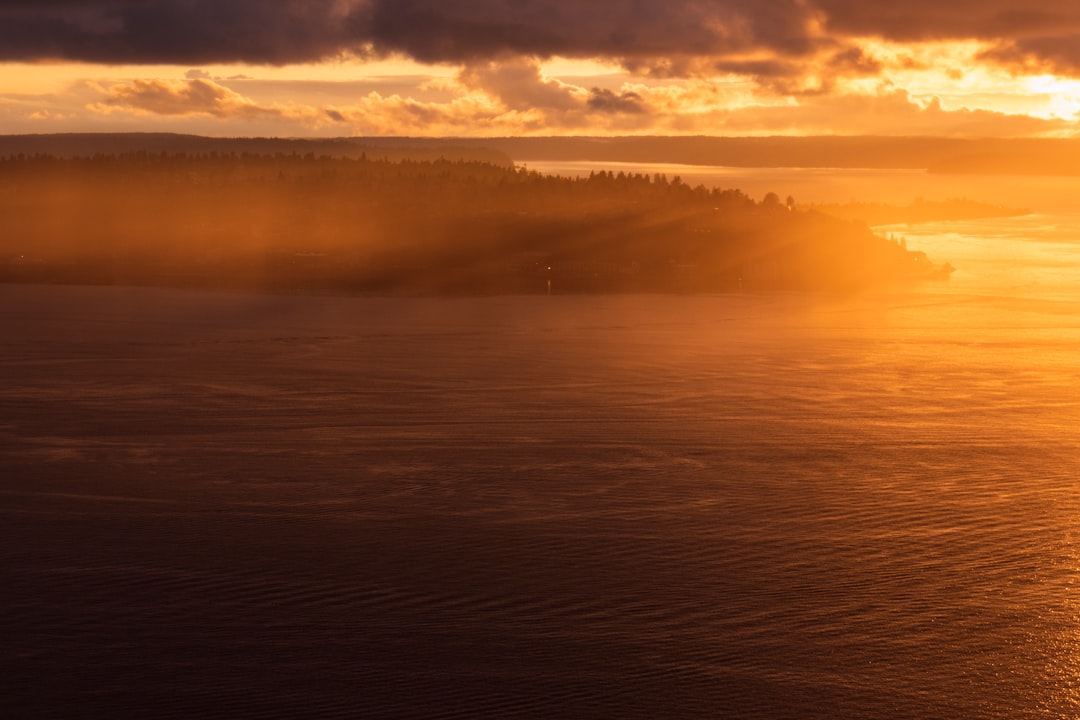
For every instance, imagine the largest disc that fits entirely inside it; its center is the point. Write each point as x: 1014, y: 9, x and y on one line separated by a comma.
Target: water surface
x: 632, y: 506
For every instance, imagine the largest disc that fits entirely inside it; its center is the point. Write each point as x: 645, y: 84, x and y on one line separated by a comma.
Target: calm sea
x: 731, y: 506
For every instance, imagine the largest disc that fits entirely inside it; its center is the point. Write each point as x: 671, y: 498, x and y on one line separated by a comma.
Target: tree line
x: 292, y: 221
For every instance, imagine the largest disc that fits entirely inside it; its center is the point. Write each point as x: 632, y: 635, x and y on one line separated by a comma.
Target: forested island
x: 291, y: 222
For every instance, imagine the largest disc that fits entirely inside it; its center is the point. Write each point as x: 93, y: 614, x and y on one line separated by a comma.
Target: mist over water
x: 755, y: 506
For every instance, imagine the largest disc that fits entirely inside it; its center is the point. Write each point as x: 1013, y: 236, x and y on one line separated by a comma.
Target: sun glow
x: 1062, y: 95
x: 959, y: 76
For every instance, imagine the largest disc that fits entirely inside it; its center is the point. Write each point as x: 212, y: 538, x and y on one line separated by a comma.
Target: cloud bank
x: 674, y: 37
x: 666, y: 66
x: 189, y: 97
x: 516, y: 99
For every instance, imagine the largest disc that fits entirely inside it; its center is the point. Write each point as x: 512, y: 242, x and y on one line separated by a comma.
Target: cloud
x: 1057, y: 54
x: 701, y: 66
x: 376, y: 115
x: 890, y: 111
x: 182, y: 97
x: 914, y: 20
x: 490, y: 108
x: 176, y: 31
x: 519, y: 84
x: 692, y: 108
x: 1034, y: 33
x: 655, y: 37
x: 434, y: 30
x: 609, y: 101
x: 465, y: 31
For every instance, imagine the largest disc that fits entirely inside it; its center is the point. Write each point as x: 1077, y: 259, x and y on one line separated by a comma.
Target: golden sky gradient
x: 542, y: 67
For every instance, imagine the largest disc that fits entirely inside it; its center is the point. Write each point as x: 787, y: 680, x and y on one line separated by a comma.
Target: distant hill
x: 1048, y: 156
x: 803, y: 152
x: 73, y: 145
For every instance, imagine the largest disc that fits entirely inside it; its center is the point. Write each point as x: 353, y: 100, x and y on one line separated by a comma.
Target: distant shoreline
x: 938, y: 155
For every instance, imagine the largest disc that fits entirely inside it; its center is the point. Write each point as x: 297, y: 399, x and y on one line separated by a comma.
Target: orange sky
x: 545, y: 67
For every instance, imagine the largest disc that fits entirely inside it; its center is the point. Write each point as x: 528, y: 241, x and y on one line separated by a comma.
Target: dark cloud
x: 436, y: 30
x: 855, y: 61
x: 282, y: 31
x: 1058, y: 53
x: 672, y: 36
x: 1031, y: 32
x: 175, y: 31
x: 609, y: 101
x: 992, y: 20
x: 766, y: 69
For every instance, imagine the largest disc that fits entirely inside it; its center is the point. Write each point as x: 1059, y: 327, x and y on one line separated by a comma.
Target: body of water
x: 602, y: 507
